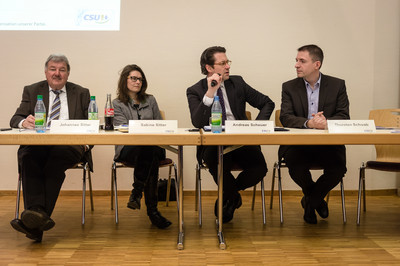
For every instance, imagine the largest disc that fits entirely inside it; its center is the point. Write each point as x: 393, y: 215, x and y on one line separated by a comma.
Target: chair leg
x: 364, y: 191
x: 263, y: 201
x: 168, y: 186
x: 83, y: 196
x: 343, y: 202
x: 112, y: 185
x: 114, y: 182
x: 273, y: 185
x: 18, y: 196
x: 360, y: 188
x: 90, y: 186
x: 254, y: 197
x: 176, y: 187
x: 196, y: 189
x: 198, y: 181
x: 280, y: 194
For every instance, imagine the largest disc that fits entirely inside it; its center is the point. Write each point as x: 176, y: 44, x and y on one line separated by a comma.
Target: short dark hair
x: 58, y: 58
x: 122, y: 91
x: 315, y: 52
x: 207, y: 57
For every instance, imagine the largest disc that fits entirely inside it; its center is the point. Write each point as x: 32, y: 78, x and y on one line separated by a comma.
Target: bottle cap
x: 216, y: 98
x: 40, y: 97
x: 92, y: 97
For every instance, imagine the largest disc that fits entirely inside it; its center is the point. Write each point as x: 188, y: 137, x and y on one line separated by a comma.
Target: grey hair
x: 58, y: 58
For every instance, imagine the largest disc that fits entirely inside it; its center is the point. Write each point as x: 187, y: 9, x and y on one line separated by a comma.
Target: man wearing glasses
x: 233, y: 93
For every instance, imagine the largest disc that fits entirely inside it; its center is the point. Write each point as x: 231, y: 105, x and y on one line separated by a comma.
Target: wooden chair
x: 387, y: 156
x: 167, y: 162
x: 202, y: 166
x: 277, y: 169
x: 85, y: 167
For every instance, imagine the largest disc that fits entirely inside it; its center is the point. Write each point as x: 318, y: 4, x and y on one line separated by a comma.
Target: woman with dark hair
x: 133, y: 103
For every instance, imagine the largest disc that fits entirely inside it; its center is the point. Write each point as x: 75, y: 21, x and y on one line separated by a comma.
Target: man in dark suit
x: 234, y: 93
x: 43, y: 167
x: 307, y: 102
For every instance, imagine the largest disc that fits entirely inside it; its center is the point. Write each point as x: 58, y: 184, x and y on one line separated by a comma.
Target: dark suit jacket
x: 238, y: 92
x: 78, y: 102
x: 333, y: 101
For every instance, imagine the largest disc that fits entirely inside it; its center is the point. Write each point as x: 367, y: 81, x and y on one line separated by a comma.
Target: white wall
x: 360, y: 39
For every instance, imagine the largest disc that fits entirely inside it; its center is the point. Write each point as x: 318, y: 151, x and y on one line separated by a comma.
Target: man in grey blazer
x: 307, y: 102
x: 43, y: 167
x: 235, y: 93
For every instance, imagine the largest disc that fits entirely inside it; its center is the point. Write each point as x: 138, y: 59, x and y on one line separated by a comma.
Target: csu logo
x: 97, y: 18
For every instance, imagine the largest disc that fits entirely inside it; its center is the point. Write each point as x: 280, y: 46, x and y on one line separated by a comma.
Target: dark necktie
x: 222, y: 102
x: 55, y: 108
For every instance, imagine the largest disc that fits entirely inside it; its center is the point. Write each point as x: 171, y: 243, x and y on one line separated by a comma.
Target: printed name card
x: 153, y: 126
x: 74, y: 126
x: 252, y: 126
x: 351, y: 126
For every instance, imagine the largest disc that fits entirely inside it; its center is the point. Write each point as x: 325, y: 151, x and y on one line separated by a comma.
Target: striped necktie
x: 55, y: 108
x: 222, y: 102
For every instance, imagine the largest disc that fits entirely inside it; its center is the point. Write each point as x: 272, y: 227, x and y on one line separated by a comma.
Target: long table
x: 291, y: 137
x: 182, y: 138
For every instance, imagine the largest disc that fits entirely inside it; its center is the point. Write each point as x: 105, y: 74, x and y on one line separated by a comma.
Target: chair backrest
x: 386, y: 118
x: 277, y: 120
x: 248, y: 115
x: 162, y: 114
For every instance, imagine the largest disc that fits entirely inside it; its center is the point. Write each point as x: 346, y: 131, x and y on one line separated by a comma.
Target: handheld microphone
x: 214, y: 82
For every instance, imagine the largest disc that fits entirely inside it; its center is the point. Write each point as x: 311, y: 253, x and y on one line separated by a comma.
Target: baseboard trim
x: 379, y: 192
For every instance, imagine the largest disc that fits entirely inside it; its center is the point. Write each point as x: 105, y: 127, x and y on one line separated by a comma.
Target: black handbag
x: 162, y: 190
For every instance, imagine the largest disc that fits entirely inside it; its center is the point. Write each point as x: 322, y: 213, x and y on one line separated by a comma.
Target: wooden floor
x: 136, y: 242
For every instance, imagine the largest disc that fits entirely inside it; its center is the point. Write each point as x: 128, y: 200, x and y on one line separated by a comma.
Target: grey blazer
x: 148, y: 110
x: 78, y: 99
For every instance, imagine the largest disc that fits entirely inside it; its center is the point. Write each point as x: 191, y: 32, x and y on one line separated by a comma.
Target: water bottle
x: 93, y: 110
x: 216, y: 116
x: 40, y: 115
x: 109, y: 114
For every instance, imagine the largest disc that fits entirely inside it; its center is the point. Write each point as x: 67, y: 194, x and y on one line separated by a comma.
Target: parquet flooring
x: 134, y: 241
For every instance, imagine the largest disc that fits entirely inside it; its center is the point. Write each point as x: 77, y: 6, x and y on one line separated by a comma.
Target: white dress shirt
x: 209, y: 101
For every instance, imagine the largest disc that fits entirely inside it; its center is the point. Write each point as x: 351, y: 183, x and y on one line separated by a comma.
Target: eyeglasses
x: 224, y: 63
x: 134, y: 79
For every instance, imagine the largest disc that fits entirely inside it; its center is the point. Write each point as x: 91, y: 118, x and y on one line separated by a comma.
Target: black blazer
x: 238, y: 92
x: 78, y: 102
x: 333, y: 101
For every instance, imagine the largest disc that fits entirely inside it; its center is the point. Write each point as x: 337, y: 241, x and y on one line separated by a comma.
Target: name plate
x: 351, y: 126
x: 153, y: 126
x: 252, y: 126
x: 74, y: 126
